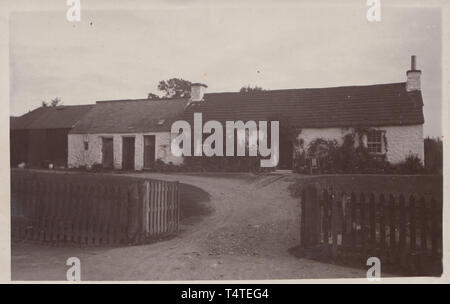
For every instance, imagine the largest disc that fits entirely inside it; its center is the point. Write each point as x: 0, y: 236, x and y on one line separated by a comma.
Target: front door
x: 286, y: 154
x: 128, y: 153
x: 107, y: 152
x: 149, y: 151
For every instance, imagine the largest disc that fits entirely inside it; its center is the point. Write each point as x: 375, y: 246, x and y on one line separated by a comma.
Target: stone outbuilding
x: 125, y: 134
x: 39, y: 137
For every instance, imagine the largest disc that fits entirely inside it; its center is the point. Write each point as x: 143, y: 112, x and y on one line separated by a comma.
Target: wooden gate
x: 92, y: 209
x: 401, y: 229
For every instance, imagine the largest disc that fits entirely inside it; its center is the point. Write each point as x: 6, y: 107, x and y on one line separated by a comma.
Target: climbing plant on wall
x: 352, y: 156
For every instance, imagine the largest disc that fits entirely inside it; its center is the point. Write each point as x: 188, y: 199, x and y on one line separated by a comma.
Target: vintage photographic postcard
x: 224, y: 141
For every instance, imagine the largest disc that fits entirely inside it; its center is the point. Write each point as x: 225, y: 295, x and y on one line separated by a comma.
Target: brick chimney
x: 197, y: 92
x: 413, y: 77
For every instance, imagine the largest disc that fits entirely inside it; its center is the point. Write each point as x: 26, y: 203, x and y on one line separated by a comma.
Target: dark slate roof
x: 129, y: 116
x: 59, y: 117
x: 13, y: 120
x: 372, y: 105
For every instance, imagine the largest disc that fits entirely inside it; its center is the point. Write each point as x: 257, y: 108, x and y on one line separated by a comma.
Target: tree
x: 175, y: 88
x: 153, y: 96
x: 53, y: 103
x: 249, y: 89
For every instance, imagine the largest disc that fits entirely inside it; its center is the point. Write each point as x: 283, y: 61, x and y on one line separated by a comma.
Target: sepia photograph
x: 201, y: 141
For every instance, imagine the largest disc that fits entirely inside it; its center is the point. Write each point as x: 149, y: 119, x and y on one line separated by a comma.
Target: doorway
x: 286, y: 154
x: 149, y: 151
x: 128, y: 153
x: 107, y: 152
x: 286, y: 144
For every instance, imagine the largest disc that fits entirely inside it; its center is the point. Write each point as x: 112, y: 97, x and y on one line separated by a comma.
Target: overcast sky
x: 123, y: 54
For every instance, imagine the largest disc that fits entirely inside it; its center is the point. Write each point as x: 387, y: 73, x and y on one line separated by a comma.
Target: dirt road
x: 252, y: 223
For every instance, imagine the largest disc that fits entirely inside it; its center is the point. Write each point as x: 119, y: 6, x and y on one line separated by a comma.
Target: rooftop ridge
x: 257, y: 92
x: 318, y: 88
x: 142, y: 99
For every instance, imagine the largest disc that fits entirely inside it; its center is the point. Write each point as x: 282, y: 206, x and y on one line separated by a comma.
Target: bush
x: 212, y: 164
x: 224, y: 164
x: 161, y: 166
x: 351, y: 158
x: 346, y: 158
x: 411, y: 165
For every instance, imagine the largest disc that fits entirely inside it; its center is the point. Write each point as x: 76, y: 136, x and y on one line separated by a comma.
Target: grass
x: 406, y: 184
x: 194, y: 204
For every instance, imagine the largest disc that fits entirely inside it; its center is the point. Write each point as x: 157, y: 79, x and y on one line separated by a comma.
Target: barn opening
x: 149, y: 151
x: 107, y: 152
x: 128, y: 153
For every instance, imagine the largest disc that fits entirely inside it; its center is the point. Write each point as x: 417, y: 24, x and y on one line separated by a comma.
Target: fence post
x: 353, y: 221
x: 133, y: 211
x: 392, y: 224
x: 382, y: 216
x: 372, y: 222
x: 334, y: 225
x: 310, y: 214
x: 347, y: 220
x: 363, y: 234
x: 424, y: 224
x: 324, y: 215
x: 402, y: 230
x: 145, y: 213
x: 178, y: 206
x: 301, y: 218
x: 412, y: 223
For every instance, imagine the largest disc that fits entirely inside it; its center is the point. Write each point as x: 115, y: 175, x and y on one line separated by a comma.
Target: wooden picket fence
x: 61, y: 208
x: 402, y: 230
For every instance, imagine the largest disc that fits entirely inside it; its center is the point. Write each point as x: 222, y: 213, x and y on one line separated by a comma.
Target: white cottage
x: 125, y: 134
x: 390, y: 115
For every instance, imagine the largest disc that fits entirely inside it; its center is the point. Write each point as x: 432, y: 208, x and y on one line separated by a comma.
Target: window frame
x: 378, y: 142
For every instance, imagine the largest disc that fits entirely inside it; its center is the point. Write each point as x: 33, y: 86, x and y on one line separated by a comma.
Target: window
x: 374, y: 141
x: 86, y: 145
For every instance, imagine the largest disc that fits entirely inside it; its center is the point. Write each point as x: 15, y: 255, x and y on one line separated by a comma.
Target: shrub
x: 411, y: 165
x: 346, y: 158
x: 161, y: 166
x: 224, y: 164
x: 212, y: 164
x: 96, y: 167
x: 352, y: 158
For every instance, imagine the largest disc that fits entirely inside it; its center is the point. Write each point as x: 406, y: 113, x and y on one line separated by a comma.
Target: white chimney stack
x: 197, y: 92
x: 413, y: 77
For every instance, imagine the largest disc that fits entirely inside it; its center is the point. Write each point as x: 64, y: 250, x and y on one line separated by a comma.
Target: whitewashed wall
x: 78, y: 156
x: 401, y: 140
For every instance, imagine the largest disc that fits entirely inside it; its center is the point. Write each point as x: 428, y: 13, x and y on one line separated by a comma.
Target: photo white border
x: 8, y: 6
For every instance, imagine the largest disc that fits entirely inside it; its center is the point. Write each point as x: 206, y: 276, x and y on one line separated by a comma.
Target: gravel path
x: 253, y: 223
